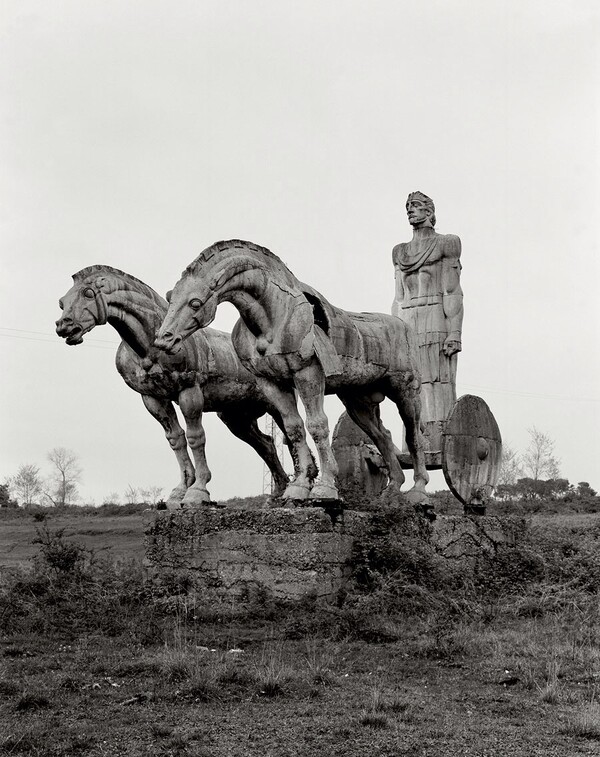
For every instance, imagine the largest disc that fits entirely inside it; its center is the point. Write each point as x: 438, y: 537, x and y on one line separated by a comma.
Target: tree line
x: 60, y: 487
x: 535, y: 473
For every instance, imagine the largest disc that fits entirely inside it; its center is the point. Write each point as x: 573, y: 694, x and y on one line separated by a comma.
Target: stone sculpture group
x: 291, y: 342
x: 205, y: 376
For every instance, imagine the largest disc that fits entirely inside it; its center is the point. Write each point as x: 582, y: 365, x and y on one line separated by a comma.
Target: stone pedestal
x: 292, y: 553
x: 466, y: 539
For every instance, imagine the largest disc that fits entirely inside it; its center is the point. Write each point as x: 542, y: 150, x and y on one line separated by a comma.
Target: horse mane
x: 232, y: 244
x: 100, y: 270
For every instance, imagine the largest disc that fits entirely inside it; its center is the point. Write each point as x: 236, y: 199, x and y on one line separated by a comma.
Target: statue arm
x: 452, y: 298
x: 399, y: 294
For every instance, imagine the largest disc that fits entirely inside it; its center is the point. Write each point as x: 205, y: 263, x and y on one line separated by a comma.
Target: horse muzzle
x: 168, y: 342
x: 71, y: 332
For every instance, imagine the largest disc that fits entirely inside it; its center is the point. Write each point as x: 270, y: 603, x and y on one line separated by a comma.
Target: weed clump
x: 70, y: 591
x: 30, y: 701
x: 586, y: 724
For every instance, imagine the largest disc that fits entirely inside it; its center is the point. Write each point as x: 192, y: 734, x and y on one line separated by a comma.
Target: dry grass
x: 585, y: 724
x: 121, y: 536
x: 430, y: 670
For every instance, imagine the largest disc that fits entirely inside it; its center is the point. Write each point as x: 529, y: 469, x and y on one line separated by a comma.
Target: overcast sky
x: 136, y: 134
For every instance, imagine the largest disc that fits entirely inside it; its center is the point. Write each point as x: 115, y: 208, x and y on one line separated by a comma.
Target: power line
x: 47, y: 333
x: 54, y: 341
x: 531, y: 395
x: 22, y: 334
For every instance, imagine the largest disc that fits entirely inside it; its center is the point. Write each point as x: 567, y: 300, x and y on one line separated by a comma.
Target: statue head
x: 84, y: 305
x: 420, y: 210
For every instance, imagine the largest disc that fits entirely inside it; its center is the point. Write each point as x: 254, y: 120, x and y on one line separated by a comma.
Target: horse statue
x: 293, y: 339
x: 206, y: 376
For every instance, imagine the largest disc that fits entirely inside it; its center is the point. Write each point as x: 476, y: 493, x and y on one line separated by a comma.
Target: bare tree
x: 510, y: 467
x: 131, y: 495
x: 27, y: 484
x: 539, y: 462
x: 151, y: 495
x: 65, y: 476
x: 112, y: 499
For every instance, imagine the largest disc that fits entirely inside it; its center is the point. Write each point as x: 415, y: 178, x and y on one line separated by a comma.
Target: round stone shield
x: 471, y: 450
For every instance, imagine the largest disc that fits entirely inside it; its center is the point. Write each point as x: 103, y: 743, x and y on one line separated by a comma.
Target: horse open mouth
x: 75, y: 336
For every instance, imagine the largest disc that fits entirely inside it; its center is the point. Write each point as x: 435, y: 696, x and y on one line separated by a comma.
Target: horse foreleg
x: 310, y: 383
x: 164, y: 412
x: 284, y: 401
x: 364, y: 411
x: 245, y: 427
x: 191, y: 402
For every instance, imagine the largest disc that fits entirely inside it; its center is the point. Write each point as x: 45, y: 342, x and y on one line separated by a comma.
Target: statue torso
x: 420, y: 264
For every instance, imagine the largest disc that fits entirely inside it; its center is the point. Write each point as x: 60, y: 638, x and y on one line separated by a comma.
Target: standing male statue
x: 429, y: 298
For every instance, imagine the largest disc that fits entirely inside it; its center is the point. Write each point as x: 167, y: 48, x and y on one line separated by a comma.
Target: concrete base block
x: 294, y: 552
x: 467, y: 538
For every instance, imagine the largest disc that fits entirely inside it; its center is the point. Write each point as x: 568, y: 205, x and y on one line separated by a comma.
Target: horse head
x: 192, y: 306
x: 84, y: 306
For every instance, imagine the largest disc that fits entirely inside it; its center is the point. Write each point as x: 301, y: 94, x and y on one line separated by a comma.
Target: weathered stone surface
x: 295, y: 552
x: 430, y: 299
x: 360, y: 466
x: 289, y: 333
x: 205, y: 376
x: 289, y: 552
x: 471, y: 451
x: 466, y: 539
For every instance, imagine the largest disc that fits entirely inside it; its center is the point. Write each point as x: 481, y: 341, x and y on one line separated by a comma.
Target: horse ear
x: 168, y: 295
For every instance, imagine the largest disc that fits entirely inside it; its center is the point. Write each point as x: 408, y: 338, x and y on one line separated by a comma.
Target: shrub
x: 5, y: 500
x: 509, y: 570
x: 70, y: 591
x: 58, y: 555
x: 111, y: 508
x: 396, y: 555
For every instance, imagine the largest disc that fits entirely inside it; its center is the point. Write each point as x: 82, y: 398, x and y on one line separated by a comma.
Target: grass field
x: 93, y: 661
x: 120, y: 536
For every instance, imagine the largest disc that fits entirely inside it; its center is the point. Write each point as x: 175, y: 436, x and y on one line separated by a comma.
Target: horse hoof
x: 324, y: 491
x: 174, y: 503
x: 296, y: 491
x: 175, y: 498
x: 417, y: 497
x: 196, y: 498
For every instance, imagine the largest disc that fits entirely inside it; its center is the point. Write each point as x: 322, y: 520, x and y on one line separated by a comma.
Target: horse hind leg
x: 164, y: 412
x: 310, y: 383
x: 245, y: 427
x: 313, y: 470
x: 287, y: 416
x: 365, y: 413
x: 408, y: 402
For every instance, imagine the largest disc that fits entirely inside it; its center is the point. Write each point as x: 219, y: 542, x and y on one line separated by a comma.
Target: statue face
x: 417, y: 212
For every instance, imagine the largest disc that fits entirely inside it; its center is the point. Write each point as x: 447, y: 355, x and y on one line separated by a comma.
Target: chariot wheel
x: 471, y: 451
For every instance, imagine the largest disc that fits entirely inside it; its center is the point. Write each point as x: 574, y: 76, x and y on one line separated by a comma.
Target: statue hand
x: 451, y: 345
